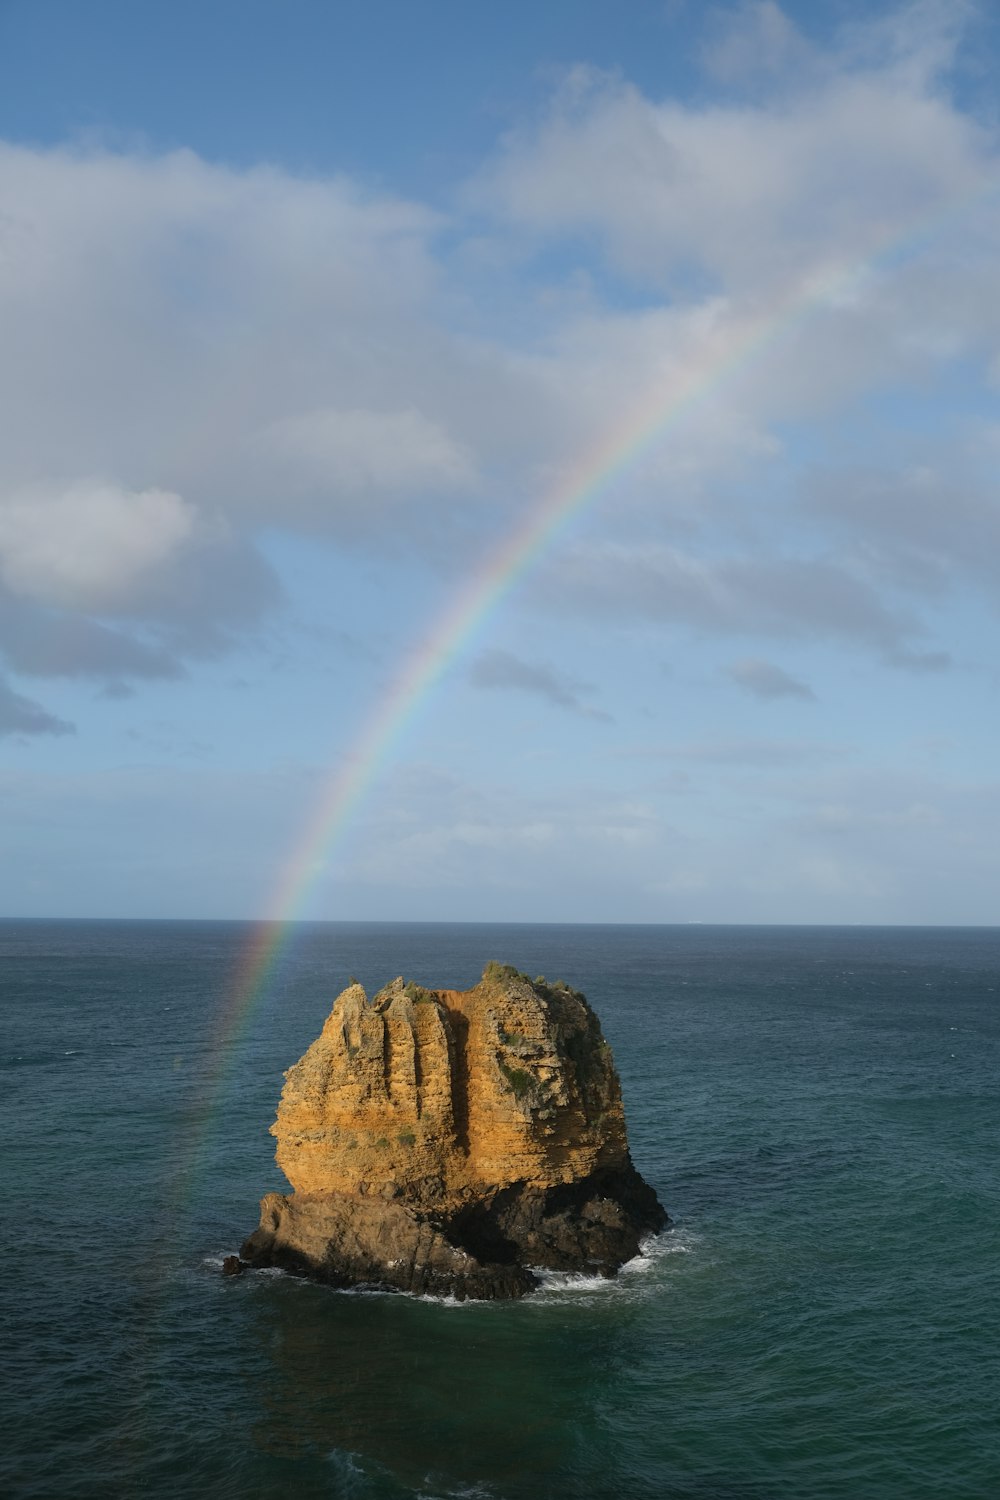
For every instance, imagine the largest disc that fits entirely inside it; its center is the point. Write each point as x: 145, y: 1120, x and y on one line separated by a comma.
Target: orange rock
x: 469, y: 1089
x: 468, y: 1109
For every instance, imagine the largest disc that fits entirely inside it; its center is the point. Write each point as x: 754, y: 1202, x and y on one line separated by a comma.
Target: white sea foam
x: 215, y: 1262
x: 655, y: 1247
x: 351, y: 1477
x: 460, y: 1492
x: 569, y: 1281
x: 634, y: 1276
x: 562, y: 1285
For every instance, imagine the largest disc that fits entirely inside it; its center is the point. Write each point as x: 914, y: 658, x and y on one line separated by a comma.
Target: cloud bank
x: 197, y: 358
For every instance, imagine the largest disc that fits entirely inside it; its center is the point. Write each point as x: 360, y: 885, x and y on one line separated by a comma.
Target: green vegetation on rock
x: 520, y: 1080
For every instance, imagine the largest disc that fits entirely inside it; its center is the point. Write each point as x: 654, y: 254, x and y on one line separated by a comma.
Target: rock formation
x: 450, y: 1141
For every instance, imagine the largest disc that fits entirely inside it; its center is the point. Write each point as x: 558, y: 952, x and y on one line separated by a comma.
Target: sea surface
x: 818, y: 1108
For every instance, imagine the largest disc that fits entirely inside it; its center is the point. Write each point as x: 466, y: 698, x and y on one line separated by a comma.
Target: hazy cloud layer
x: 792, y: 597
x: 761, y: 755
x: 926, y: 527
x: 843, y: 842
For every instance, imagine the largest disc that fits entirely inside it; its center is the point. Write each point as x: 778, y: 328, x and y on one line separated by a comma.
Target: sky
x: 310, y: 309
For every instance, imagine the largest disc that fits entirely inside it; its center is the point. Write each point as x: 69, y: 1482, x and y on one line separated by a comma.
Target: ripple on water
x: 821, y: 1324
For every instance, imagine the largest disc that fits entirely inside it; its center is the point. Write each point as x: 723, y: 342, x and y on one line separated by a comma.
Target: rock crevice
x: 452, y: 1141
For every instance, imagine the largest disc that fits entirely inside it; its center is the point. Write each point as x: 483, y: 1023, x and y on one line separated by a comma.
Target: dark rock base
x: 486, y: 1249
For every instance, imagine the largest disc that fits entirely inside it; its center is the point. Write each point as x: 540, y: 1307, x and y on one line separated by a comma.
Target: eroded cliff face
x: 445, y: 1140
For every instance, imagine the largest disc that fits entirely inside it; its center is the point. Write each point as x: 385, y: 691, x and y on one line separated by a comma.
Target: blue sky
x: 307, y: 306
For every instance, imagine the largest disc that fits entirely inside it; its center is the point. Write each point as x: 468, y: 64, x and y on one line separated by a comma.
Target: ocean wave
x: 351, y: 1476
x: 458, y: 1492
x: 655, y: 1247
x: 636, y: 1275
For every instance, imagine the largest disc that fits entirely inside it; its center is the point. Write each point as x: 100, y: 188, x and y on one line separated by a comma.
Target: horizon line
x: 489, y: 922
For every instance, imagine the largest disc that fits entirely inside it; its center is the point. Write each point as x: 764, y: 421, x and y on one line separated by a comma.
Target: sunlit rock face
x: 450, y: 1141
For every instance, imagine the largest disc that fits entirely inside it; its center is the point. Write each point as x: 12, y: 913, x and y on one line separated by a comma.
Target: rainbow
x: 728, y: 347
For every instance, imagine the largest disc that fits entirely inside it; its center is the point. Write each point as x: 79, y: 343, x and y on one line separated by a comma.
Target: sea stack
x: 453, y: 1142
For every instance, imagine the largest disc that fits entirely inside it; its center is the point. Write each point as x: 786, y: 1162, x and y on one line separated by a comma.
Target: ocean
x: 818, y: 1109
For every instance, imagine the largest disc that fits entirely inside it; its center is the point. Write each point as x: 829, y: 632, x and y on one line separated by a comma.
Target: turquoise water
x: 817, y: 1108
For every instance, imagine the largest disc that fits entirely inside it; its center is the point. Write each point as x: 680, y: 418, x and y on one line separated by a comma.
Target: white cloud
x: 755, y: 39
x: 89, y: 546
x: 749, y: 194
x: 915, y: 41
x: 370, y: 453
x: 159, y: 312
x: 241, y: 350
